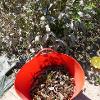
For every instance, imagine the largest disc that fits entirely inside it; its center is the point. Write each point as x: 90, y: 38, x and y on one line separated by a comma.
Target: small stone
x: 37, y: 38
x: 42, y: 18
x: 47, y: 28
x: 32, y: 50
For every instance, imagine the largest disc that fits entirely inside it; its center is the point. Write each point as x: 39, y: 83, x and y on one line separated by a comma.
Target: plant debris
x: 53, y: 84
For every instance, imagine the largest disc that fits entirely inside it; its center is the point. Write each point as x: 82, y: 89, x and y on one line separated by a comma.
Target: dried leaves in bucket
x: 53, y: 84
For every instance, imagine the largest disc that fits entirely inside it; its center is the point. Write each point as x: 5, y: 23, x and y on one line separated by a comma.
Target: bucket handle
x: 45, y: 51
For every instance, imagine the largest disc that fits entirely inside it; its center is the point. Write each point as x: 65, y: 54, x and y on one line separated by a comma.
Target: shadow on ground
x: 81, y: 96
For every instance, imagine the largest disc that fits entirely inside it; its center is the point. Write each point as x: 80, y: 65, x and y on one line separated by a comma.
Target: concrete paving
x: 10, y: 95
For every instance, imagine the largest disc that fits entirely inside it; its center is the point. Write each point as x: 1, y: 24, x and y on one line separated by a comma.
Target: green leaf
x: 89, y: 6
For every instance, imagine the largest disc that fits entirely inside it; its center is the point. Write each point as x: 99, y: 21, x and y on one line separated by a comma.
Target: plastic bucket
x: 47, y: 56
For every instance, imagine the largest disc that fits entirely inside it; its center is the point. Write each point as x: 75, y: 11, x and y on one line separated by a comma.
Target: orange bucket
x: 47, y: 56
